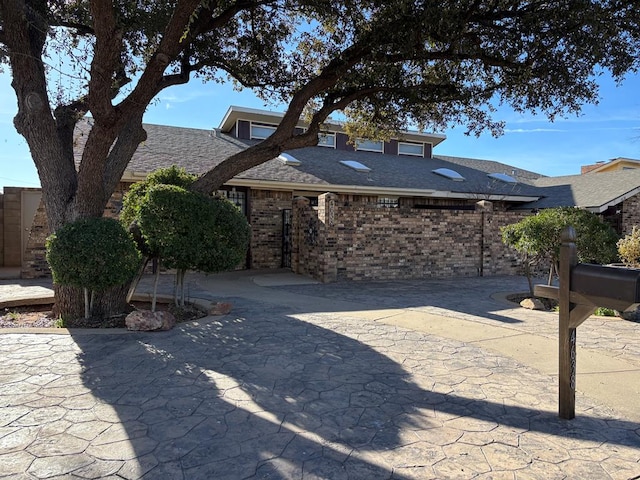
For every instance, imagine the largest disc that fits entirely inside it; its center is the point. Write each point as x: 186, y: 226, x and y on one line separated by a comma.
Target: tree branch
x: 105, y: 60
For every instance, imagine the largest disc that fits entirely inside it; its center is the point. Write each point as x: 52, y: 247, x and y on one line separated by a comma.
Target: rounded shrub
x: 192, y: 231
x: 92, y: 253
x: 629, y: 248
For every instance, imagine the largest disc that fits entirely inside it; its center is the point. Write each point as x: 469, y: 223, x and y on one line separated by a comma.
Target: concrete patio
x: 429, y: 379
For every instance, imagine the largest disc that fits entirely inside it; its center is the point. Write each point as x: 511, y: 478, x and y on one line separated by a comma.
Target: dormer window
x: 327, y: 139
x: 370, y: 145
x: 413, y: 149
x: 450, y: 174
x: 260, y: 131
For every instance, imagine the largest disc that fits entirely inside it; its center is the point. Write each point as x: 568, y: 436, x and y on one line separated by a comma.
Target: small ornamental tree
x: 629, y: 248
x: 172, y: 175
x: 190, y: 231
x: 93, y: 254
x: 131, y: 202
x: 537, y: 238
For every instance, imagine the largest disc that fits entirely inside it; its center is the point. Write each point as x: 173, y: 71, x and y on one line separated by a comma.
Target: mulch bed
x: 41, y: 316
x: 548, y: 303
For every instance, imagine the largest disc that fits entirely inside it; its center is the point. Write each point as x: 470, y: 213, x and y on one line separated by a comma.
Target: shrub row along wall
x: 353, y: 239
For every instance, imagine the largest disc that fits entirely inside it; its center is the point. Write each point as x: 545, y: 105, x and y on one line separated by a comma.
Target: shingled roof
x: 592, y: 191
x: 320, y: 169
x: 197, y: 151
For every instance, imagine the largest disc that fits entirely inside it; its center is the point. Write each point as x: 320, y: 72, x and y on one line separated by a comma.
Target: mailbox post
x: 582, y: 289
x: 567, y: 333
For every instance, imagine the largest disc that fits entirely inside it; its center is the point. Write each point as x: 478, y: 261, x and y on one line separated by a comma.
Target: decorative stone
x: 532, y: 304
x: 147, y: 321
x: 220, y: 308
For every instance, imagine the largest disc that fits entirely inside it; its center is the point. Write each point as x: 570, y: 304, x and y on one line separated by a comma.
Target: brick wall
x: 314, y: 239
x: 349, y: 237
x: 266, y: 225
x: 35, y: 264
x: 630, y: 214
x: 354, y: 239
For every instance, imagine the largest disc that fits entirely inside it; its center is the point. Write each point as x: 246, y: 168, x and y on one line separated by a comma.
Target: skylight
x: 503, y: 177
x: 357, y: 166
x: 288, y: 159
x: 450, y: 174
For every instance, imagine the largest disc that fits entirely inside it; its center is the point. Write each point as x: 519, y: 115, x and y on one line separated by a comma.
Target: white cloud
x: 533, y: 130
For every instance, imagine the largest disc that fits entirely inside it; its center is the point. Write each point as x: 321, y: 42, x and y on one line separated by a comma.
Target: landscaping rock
x: 532, y: 304
x: 148, y: 321
x: 220, y: 308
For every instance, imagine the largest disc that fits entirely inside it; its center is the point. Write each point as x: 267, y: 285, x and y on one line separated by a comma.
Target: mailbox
x: 606, y: 282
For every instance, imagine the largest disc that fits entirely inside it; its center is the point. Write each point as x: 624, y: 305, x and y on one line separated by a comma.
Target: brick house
x: 375, y: 210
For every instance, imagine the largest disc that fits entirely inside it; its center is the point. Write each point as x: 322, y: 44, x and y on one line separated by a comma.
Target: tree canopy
x: 384, y: 65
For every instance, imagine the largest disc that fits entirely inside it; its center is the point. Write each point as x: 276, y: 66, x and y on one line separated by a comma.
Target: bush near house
x: 183, y: 229
x: 629, y: 248
x: 537, y: 238
x: 94, y: 254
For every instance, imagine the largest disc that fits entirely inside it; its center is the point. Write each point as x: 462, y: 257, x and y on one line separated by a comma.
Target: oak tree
x: 384, y: 65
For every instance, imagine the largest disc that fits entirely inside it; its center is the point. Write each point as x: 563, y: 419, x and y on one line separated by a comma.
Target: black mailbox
x: 606, y: 281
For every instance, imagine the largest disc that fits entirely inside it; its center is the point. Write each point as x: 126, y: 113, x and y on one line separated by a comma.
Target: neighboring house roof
x: 619, y: 163
x: 321, y: 169
x: 592, y: 192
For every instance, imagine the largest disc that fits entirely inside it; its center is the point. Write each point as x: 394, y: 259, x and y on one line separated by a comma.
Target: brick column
x: 299, y: 211
x: 327, y: 217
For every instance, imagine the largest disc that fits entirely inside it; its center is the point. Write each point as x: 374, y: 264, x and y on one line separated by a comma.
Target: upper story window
x: 261, y: 131
x: 326, y: 139
x: 415, y: 149
x: 370, y: 145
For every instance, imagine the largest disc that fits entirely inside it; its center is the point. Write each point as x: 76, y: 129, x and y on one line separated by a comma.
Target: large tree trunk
x: 70, y: 304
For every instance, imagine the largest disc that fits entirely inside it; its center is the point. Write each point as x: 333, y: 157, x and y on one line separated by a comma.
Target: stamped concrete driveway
x: 298, y: 383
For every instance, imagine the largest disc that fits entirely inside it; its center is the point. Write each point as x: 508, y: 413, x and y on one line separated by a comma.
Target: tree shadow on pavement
x: 260, y: 394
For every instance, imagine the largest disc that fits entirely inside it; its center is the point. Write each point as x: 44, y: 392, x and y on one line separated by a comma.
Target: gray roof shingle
x: 593, y: 191
x: 197, y: 151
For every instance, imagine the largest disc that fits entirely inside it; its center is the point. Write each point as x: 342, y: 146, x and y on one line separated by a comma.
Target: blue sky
x: 608, y: 130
